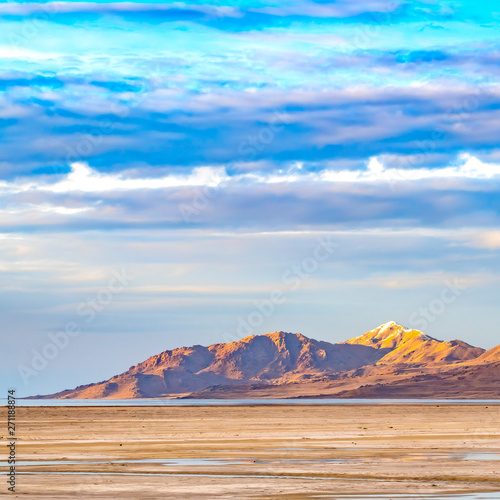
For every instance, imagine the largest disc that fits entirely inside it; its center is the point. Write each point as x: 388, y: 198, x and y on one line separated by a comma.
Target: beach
x: 260, y: 452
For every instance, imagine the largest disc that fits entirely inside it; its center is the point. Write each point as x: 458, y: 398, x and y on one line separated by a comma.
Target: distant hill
x: 491, y: 356
x: 388, y: 358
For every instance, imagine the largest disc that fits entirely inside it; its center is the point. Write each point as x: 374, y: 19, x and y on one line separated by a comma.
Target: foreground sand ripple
x: 262, y: 452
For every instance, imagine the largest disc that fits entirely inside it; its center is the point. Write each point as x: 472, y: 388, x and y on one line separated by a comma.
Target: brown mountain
x: 272, y: 358
x: 284, y: 364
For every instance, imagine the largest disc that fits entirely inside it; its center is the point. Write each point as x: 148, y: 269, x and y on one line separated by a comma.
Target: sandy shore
x: 265, y: 452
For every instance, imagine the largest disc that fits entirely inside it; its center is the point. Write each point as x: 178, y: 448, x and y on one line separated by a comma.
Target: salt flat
x: 261, y: 452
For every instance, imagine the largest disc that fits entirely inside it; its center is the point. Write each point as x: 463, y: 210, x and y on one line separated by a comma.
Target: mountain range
x: 389, y: 361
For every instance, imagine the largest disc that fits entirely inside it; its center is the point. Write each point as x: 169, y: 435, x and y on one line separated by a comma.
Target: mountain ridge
x: 282, y: 359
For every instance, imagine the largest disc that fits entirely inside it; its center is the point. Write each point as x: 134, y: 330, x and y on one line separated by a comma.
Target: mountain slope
x: 491, y: 356
x: 272, y: 358
x: 460, y: 381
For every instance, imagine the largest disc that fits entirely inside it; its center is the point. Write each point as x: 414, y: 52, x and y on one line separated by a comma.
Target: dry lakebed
x: 386, y: 451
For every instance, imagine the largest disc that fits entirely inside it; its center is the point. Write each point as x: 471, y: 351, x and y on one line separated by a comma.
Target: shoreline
x: 261, y: 402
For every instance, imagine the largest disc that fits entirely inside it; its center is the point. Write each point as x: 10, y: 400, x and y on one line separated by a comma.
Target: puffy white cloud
x: 468, y: 168
x: 82, y: 178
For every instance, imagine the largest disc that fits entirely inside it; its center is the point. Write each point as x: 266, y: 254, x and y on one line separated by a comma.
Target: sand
x: 260, y: 452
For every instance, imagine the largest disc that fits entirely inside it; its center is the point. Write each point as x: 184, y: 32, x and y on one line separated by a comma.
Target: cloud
x: 486, y: 239
x: 162, y: 116
x: 25, y: 54
x: 411, y: 281
x: 71, y: 119
x: 181, y: 10
x: 82, y: 178
x: 470, y: 168
x: 51, y: 9
x: 339, y: 9
x: 44, y: 208
x: 370, y: 196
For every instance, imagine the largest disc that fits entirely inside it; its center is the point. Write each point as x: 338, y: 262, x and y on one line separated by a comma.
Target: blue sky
x: 206, y: 148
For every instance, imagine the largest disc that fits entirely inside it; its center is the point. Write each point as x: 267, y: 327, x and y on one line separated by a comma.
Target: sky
x: 191, y: 173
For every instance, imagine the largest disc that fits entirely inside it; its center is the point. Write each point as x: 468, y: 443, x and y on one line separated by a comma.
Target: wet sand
x: 259, y: 452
